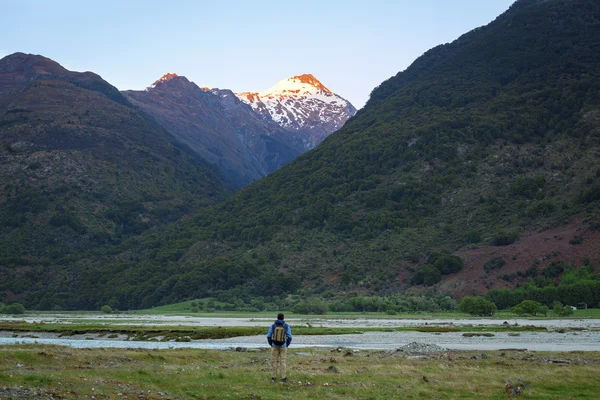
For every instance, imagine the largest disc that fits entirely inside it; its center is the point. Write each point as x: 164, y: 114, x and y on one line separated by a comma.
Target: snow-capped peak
x: 166, y: 77
x: 302, y: 104
x: 296, y: 85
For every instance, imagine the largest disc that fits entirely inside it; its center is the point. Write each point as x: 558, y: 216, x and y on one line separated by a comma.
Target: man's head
x: 280, y: 316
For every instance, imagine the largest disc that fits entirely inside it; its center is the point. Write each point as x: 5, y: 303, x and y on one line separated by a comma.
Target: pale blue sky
x: 351, y: 46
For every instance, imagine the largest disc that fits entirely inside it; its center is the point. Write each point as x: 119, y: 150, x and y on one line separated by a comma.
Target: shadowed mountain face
x: 490, y: 142
x: 81, y: 168
x: 19, y: 69
x: 218, y: 127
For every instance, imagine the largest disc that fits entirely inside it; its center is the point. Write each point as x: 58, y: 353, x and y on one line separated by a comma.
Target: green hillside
x: 81, y: 168
x: 478, y: 143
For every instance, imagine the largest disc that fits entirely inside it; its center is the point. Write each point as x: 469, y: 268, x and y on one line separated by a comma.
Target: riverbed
x: 562, y: 334
x: 534, y: 341
x: 188, y: 320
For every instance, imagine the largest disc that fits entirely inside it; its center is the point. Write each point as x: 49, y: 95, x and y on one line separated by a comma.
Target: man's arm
x: 269, y: 334
x: 288, y: 333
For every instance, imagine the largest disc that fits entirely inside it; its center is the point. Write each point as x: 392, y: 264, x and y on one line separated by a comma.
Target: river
x: 586, y: 337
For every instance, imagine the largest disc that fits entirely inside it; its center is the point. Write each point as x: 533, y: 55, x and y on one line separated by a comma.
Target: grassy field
x: 64, y: 372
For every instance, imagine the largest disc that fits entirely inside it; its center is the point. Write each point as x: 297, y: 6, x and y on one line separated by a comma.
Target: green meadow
x: 62, y: 372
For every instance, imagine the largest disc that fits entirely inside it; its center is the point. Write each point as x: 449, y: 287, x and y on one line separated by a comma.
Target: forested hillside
x: 81, y: 168
x: 477, y: 144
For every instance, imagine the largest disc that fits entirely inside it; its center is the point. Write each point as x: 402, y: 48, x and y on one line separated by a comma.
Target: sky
x: 350, y: 46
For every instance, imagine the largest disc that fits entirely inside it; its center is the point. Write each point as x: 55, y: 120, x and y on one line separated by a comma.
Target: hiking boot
x: 284, y: 380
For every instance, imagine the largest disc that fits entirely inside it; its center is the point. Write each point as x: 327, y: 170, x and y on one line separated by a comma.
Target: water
x: 586, y: 340
x: 535, y: 341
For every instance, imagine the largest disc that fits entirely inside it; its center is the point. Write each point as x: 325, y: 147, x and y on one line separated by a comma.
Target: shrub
x: 562, y: 311
x: 542, y: 208
x: 472, y: 236
x: 527, y: 307
x: 427, y: 275
x: 15, y: 308
x: 447, y: 303
x: 311, y: 306
x: 195, y: 309
x: 476, y: 305
x: 505, y: 238
x: 554, y: 269
x: 494, y: 263
x: 106, y: 309
x: 576, y: 239
x: 448, y: 264
x: 591, y: 195
x: 528, y: 187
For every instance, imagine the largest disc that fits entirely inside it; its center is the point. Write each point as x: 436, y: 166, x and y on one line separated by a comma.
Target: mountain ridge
x: 82, y: 169
x: 218, y: 127
x: 470, y: 152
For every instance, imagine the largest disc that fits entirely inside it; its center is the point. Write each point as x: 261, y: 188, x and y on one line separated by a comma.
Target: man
x: 279, y: 338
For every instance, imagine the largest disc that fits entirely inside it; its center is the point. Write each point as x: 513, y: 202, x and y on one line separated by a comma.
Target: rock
x: 420, y: 348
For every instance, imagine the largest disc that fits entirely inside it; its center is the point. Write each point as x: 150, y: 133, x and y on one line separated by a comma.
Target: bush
x: 562, y: 311
x: 15, y: 308
x: 106, y: 309
x: 576, y: 239
x: 427, y: 275
x: 390, y: 312
x: 472, y: 236
x: 505, y: 238
x: 195, y: 309
x: 494, y: 263
x: 527, y: 307
x: 554, y: 269
x: 476, y: 305
x: 447, y: 303
x: 312, y: 306
x: 448, y: 264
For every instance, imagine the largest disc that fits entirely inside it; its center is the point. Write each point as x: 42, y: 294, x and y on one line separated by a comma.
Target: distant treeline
x: 576, y: 286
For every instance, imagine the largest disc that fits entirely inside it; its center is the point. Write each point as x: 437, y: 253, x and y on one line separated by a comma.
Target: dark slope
x: 219, y: 128
x: 479, y: 141
x: 80, y: 168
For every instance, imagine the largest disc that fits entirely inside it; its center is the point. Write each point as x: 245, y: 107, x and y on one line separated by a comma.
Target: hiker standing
x: 279, y: 338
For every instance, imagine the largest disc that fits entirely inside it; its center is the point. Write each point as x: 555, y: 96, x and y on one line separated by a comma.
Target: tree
x: 427, y: 275
x: 477, y: 305
x: 15, y: 308
x: 312, y: 306
x: 562, y: 311
x: 106, y: 309
x: 448, y: 264
x: 527, y: 307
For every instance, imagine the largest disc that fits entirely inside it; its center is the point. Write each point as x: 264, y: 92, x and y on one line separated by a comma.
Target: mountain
x: 302, y: 105
x: 486, y: 148
x: 217, y: 126
x: 80, y: 168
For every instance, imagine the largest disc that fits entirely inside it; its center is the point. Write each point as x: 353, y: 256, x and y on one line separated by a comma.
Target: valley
x: 474, y: 172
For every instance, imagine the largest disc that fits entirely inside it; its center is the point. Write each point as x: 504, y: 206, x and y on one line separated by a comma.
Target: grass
x: 313, y: 374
